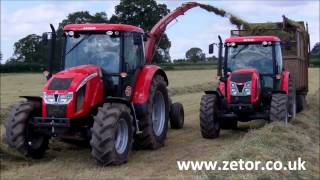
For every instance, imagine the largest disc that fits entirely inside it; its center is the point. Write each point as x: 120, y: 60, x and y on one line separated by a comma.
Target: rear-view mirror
x: 44, y: 37
x: 211, y: 48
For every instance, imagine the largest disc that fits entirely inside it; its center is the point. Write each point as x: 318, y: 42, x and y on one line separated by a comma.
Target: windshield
x: 98, y: 49
x: 255, y: 56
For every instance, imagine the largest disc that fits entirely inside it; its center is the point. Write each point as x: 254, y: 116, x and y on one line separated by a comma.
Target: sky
x: 196, y: 28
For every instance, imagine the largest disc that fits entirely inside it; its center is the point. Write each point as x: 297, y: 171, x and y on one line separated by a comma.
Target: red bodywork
x: 284, y: 83
x: 91, y: 76
x: 255, y: 84
x: 142, y: 85
x: 80, y: 74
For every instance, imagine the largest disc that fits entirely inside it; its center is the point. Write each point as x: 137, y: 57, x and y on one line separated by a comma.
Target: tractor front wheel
x: 154, y: 124
x: 112, y: 134
x: 279, y: 108
x: 20, y: 134
x: 209, y: 121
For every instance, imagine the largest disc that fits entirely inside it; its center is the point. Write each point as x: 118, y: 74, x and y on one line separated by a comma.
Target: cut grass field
x: 254, y: 140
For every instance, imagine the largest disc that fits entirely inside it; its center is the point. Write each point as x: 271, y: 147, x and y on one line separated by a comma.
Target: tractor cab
x: 116, y: 49
x: 251, y: 68
x: 262, y: 53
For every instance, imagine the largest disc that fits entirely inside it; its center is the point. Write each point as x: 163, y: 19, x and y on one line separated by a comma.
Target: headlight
x: 48, y: 98
x: 233, y: 92
x: 57, y: 98
x: 246, y: 92
x: 247, y: 88
x: 64, y: 98
x: 233, y: 88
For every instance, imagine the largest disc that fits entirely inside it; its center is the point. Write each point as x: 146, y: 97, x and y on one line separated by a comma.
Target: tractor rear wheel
x: 154, y: 124
x: 20, y: 134
x: 176, y: 116
x: 279, y: 108
x: 112, y: 134
x: 209, y: 121
x: 292, y: 99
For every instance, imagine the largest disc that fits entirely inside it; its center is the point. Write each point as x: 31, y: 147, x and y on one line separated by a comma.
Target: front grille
x: 57, y: 111
x: 60, y: 84
x: 240, y: 87
x: 240, y: 99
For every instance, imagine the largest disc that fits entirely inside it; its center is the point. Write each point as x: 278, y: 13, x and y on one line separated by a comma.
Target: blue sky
x: 197, y: 28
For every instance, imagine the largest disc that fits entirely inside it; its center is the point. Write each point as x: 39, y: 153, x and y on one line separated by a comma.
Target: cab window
x: 133, y: 53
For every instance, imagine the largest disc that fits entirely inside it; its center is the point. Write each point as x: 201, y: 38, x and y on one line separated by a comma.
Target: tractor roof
x: 252, y: 39
x: 102, y: 27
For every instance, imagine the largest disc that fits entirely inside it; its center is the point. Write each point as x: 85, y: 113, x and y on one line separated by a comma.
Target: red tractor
x: 107, y: 93
x: 253, y: 85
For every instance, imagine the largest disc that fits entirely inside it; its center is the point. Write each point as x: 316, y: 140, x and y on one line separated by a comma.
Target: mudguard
x: 284, y: 83
x: 143, y: 82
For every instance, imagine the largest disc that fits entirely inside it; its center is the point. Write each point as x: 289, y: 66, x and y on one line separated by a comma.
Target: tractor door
x: 133, y: 60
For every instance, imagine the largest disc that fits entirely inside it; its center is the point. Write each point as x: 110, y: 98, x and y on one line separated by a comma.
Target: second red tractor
x: 253, y: 85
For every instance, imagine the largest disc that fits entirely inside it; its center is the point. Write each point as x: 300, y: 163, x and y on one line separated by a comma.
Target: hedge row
x: 21, y: 67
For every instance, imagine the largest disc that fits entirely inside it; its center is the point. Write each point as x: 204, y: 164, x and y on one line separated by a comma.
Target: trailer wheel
x: 154, y: 124
x: 176, y: 116
x: 209, y: 122
x: 291, y: 99
x: 112, y: 134
x: 301, y: 102
x: 19, y: 133
x: 279, y: 108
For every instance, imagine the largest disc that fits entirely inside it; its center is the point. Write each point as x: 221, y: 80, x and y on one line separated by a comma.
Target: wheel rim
x: 121, y: 141
x: 158, y: 114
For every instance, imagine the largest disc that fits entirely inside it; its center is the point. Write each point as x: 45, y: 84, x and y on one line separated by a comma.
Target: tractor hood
x: 70, y: 80
x: 244, y: 86
x: 243, y: 75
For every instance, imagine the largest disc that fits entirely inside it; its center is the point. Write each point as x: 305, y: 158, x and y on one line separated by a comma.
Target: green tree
x: 145, y: 14
x: 29, y: 50
x: 195, y: 54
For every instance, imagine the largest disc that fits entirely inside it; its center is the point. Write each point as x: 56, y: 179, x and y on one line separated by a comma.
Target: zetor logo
x: 88, y: 28
x: 248, y: 40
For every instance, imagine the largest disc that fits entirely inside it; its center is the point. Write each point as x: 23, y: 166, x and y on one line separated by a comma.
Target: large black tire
x: 19, y: 133
x: 176, y: 116
x: 209, y: 122
x: 301, y: 102
x: 279, y: 108
x: 228, y: 124
x: 148, y: 139
x: 291, y: 99
x: 107, y: 124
